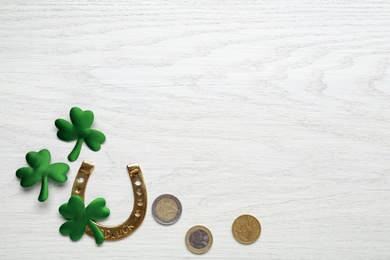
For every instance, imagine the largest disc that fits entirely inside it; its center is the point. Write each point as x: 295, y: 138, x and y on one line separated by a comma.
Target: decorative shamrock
x: 41, y: 169
x: 79, y: 129
x: 80, y: 217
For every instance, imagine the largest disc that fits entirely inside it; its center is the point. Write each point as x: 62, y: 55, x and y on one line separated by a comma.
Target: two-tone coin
x: 246, y: 229
x: 166, y: 209
x: 199, y: 239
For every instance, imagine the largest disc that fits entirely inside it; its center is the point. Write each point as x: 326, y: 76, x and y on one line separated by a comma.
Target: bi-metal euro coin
x: 166, y: 209
x: 199, y: 239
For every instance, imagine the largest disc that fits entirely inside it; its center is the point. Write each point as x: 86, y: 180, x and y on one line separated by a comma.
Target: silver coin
x: 166, y: 209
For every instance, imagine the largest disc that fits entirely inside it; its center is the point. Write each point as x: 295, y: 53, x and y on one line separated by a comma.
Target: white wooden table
x: 277, y: 109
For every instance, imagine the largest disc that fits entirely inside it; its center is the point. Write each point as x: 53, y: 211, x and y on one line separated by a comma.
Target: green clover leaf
x: 80, y: 130
x: 80, y: 217
x: 41, y: 169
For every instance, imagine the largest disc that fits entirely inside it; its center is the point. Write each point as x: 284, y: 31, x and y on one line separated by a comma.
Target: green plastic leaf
x: 80, y: 217
x: 79, y: 129
x: 41, y: 170
x: 74, y: 229
x: 66, y: 130
x: 97, y: 209
x: 57, y: 172
x: 27, y: 176
x: 81, y: 119
x: 41, y: 158
x: 94, y: 139
x: 73, y: 209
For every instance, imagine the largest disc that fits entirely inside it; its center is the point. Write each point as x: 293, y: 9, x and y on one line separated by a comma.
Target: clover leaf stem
x: 97, y: 233
x: 74, y: 154
x: 44, y: 193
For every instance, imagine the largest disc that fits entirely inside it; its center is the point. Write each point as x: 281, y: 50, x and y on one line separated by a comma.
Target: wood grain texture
x: 279, y: 109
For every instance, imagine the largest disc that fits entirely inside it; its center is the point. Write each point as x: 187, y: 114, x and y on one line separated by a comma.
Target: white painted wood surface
x: 279, y: 109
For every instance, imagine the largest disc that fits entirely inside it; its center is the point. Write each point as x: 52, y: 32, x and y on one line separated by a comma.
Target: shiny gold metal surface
x: 199, y: 239
x: 246, y: 229
x: 140, y: 201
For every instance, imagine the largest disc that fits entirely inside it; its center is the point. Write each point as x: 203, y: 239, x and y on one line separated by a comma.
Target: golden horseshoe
x: 140, y: 201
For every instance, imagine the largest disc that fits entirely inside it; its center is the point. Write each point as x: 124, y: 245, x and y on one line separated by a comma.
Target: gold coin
x: 199, y: 239
x: 246, y: 229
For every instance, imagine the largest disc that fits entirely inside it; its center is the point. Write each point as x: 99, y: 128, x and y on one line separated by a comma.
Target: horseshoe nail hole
x: 78, y: 190
x: 80, y: 180
x: 138, y: 213
x: 137, y: 183
x: 140, y: 202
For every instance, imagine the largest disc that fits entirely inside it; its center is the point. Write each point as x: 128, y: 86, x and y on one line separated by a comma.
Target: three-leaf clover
x: 80, y: 130
x: 80, y: 217
x: 41, y: 169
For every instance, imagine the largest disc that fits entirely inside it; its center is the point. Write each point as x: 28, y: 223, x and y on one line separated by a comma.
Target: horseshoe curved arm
x: 140, y: 201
